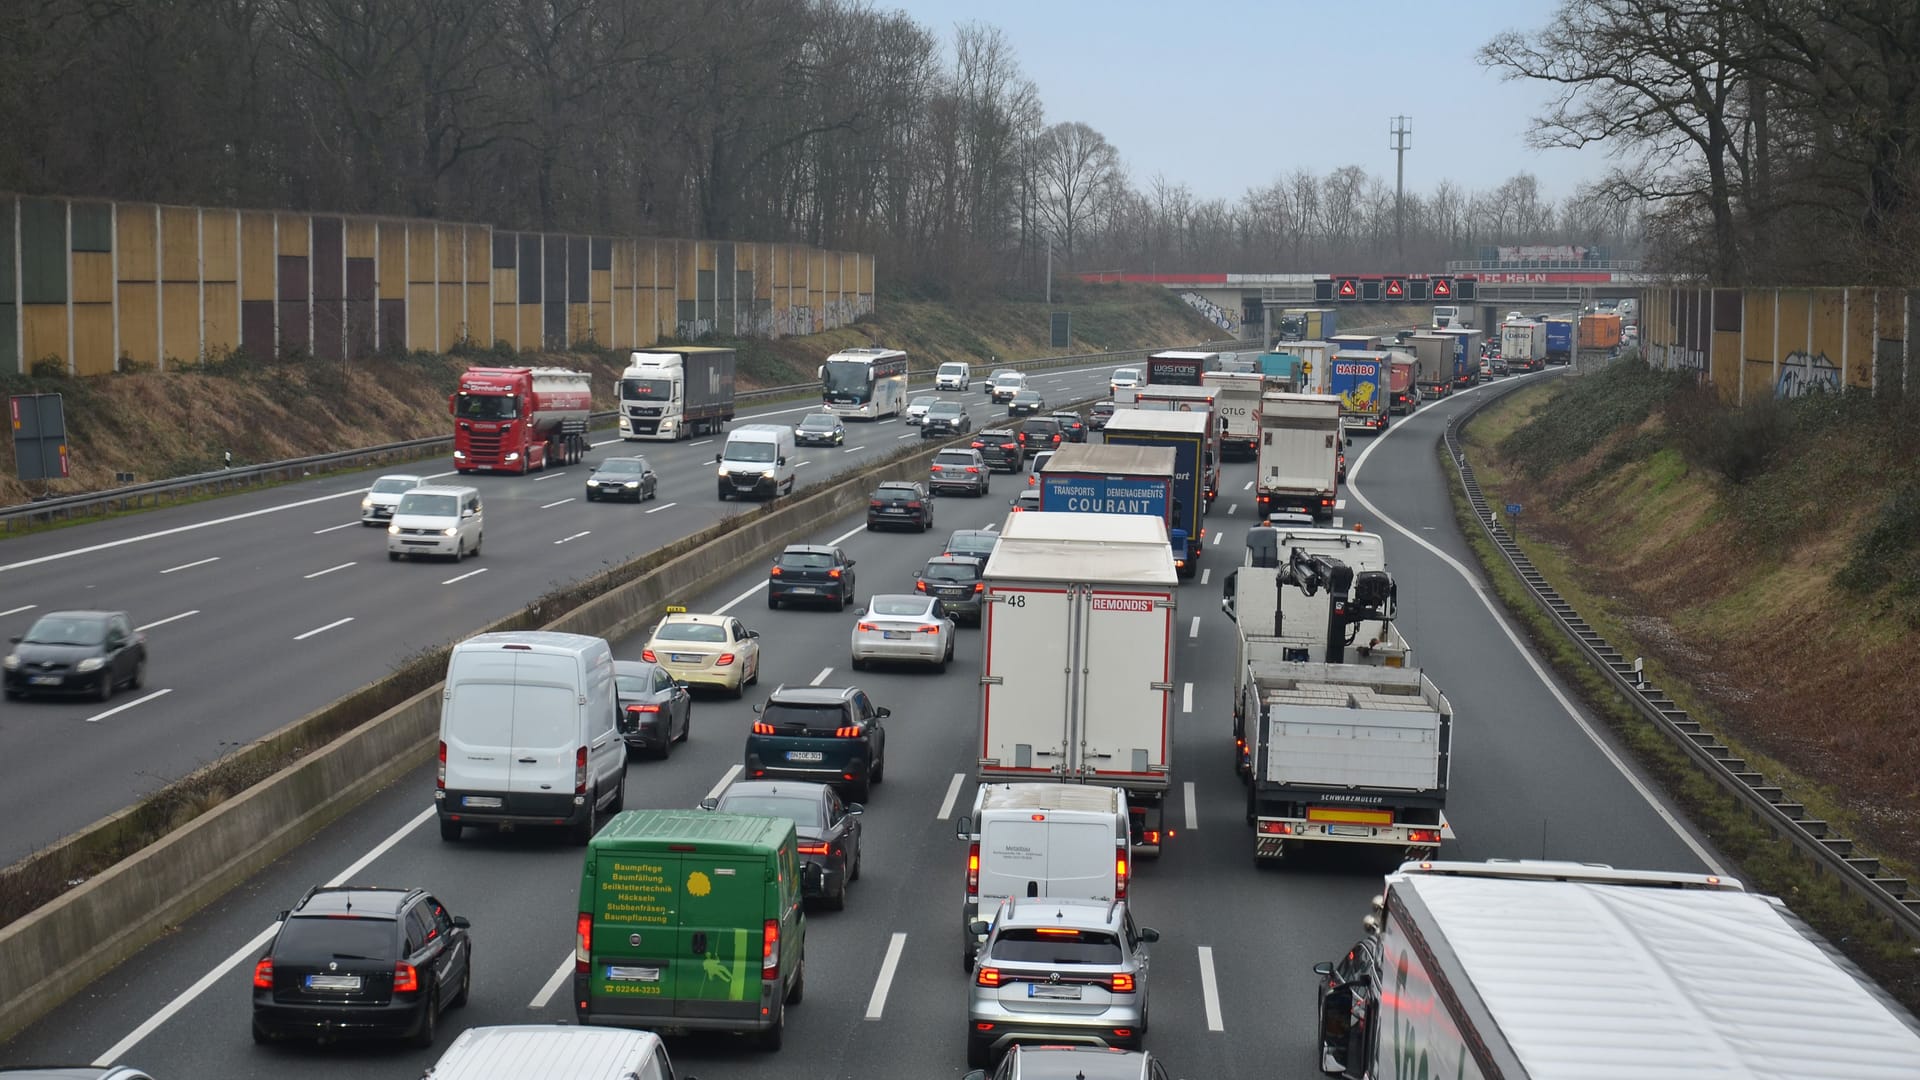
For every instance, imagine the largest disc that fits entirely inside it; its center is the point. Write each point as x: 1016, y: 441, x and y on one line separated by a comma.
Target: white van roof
x: 1091, y: 798
x: 546, y: 641
x: 528, y: 1051
x: 758, y: 432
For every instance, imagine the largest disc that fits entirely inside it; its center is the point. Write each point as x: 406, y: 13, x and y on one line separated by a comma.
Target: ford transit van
x: 758, y: 461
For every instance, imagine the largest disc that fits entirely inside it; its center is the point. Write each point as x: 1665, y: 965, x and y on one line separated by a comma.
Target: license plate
x: 481, y: 802
x: 686, y: 658
x: 803, y: 755
x: 893, y: 510
x: 1053, y: 992
x: 633, y: 974
x: 797, y: 589
x: 45, y: 680
x: 1349, y: 830
x: 896, y: 635
x: 333, y: 982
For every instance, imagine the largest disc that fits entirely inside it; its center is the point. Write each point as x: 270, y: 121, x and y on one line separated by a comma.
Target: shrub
x: 1736, y: 442
x: 1586, y: 413
x: 1889, y: 553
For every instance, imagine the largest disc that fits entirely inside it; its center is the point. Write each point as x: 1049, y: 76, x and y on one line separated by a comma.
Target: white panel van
x: 536, y: 1051
x: 952, y: 375
x: 528, y: 734
x: 1042, y: 839
x: 758, y: 461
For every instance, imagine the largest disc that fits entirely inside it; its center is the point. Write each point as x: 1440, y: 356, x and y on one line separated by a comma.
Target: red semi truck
x: 520, y: 419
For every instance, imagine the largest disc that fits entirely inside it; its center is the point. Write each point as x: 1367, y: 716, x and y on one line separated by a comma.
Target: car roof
x: 1035, y: 393
x: 811, y: 695
x: 809, y: 549
x: 87, y: 613
x: 604, y: 462
x: 1023, y: 912
x: 921, y: 599
x: 1040, y: 1061
x: 953, y: 560
x: 988, y: 533
x: 695, y: 617
x: 367, y: 901
x: 400, y: 476
x: 443, y: 489
x: 633, y: 667
x: 996, y: 431
x: 793, y: 788
x: 948, y: 404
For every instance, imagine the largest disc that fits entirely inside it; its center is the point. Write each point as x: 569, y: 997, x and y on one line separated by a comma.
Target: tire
x: 477, y: 541
x: 856, y: 663
x: 260, y: 1035
x: 798, y: 991
x: 687, y: 732
x: 837, y: 901
x: 393, y: 556
x: 429, y: 1024
x: 737, y: 692
x: 666, y: 748
x: 770, y: 1039
x: 940, y: 665
x: 773, y: 602
x: 619, y: 802
x: 466, y: 985
x: 139, y: 674
x: 879, y: 772
x: 861, y: 793
x: 105, y: 693
x: 753, y: 679
x: 450, y: 831
x: 853, y: 872
x: 590, y: 823
x: 979, y: 1053
x: 591, y: 496
x: 846, y: 598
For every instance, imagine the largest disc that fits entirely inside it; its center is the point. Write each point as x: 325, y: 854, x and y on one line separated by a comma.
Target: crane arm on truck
x: 1353, y: 598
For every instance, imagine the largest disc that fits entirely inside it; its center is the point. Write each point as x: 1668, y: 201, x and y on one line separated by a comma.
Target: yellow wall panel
x: 452, y: 253
x: 222, y: 316
x: 604, y: 329
x: 360, y: 238
x: 420, y: 253
x: 531, y: 323
x: 138, y: 332
x: 453, y: 316
x: 480, y: 313
x: 92, y: 277
x: 179, y: 244
x: 93, y: 339
x: 503, y: 328
x: 180, y: 308
x: 686, y: 257
x: 1826, y: 324
x: 622, y: 257
x: 1723, y: 361
x: 44, y: 327
x: 295, y: 234
x: 1859, y: 337
x: 393, y: 260
x: 420, y: 327
x: 479, y: 253
x: 506, y: 283
x: 218, y: 232
x: 256, y: 256
x: 133, y: 237
x: 621, y: 312
x: 600, y: 286
x: 580, y: 323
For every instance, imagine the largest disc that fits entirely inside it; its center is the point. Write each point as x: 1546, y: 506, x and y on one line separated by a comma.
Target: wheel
x: 853, y: 872
x: 260, y: 1035
x: 860, y: 793
x: 466, y: 985
x: 105, y: 693
x: 139, y: 674
x: 754, y: 679
x: 589, y: 822
x: 857, y: 663
x: 771, y: 1038
x: 737, y: 692
x: 477, y: 541
x: 845, y: 599
x: 619, y: 802
x: 798, y: 990
x: 837, y: 901
x: 687, y: 731
x: 450, y: 830
x: 723, y: 494
x: 773, y: 602
x: 926, y: 523
x: 879, y: 771
x: 393, y: 556
x: 979, y: 1052
x: 429, y: 1022
x: 940, y: 665
x: 666, y: 748
x: 591, y: 496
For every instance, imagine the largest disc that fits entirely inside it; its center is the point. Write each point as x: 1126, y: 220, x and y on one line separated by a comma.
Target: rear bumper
x: 514, y: 809
x: 822, y: 593
x: 396, y: 1019
x: 773, y: 765
x: 923, y: 649
x: 668, y: 1015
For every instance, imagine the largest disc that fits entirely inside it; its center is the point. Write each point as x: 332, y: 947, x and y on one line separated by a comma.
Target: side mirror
x: 755, y: 634
x: 718, y: 458
x: 756, y: 709
x: 980, y: 927
x: 856, y: 809
x: 883, y: 712
x: 709, y: 804
x: 1349, y: 440
x: 962, y: 827
x: 15, y: 640
x: 851, y: 562
x: 281, y: 916
x: 782, y: 460
x: 460, y: 923
x: 681, y: 683
x: 1149, y: 935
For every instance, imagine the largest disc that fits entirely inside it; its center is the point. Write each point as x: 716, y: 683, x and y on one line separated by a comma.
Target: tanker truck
x: 520, y: 419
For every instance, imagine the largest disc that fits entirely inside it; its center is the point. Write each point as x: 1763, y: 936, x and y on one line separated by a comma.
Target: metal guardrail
x: 1766, y: 803
x: 154, y: 492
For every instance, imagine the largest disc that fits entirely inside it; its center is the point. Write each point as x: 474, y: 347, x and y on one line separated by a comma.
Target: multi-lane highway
x: 1231, y: 986
x: 263, y: 607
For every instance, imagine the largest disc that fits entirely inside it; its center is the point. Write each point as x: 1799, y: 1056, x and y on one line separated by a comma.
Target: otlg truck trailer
x: 1078, y: 675
x: 1236, y: 407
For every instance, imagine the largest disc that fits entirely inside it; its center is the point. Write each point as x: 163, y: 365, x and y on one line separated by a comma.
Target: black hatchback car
x: 1072, y: 428
x: 355, y: 961
x: 819, y: 429
x: 1001, y: 448
x: 812, y: 572
x: 77, y: 652
x: 1040, y: 433
x: 1026, y: 403
x: 820, y: 734
x: 955, y: 579
x: 901, y: 503
x: 828, y: 829
x: 656, y: 710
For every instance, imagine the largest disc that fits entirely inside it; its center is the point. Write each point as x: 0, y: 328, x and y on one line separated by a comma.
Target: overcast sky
x: 1229, y: 94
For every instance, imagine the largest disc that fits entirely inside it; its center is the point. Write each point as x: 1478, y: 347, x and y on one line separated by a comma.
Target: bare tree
x: 1079, y: 173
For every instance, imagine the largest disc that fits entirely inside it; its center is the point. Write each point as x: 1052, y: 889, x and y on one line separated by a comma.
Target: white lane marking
x: 661, y: 507
x: 908, y: 435
x: 1248, y: 486
x: 328, y: 570
x: 702, y: 442
x: 553, y: 984
x: 323, y: 629
x: 18, y: 610
x: 549, y: 476
x: 726, y: 779
x: 801, y: 464
x: 242, y: 954
x: 1231, y: 507
x: 992, y: 525
x: 336, y: 528
x: 575, y: 536
x: 123, y: 708
x: 440, y: 475
x: 822, y: 677
x: 1210, y: 988
x: 601, y: 443
x: 465, y: 576
x: 1204, y: 575
x: 849, y: 532
x: 1337, y: 522
x: 562, y: 502
x: 1216, y: 538
x: 1482, y: 591
x: 1193, y: 808
x: 1194, y: 630
x: 1186, y: 698
x: 1340, y: 504
x: 165, y: 621
x: 851, y: 449
x: 953, y: 794
x: 877, y: 1004
x: 738, y: 600
x: 168, y: 570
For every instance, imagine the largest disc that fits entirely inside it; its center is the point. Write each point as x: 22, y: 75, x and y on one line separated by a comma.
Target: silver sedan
x: 904, y: 626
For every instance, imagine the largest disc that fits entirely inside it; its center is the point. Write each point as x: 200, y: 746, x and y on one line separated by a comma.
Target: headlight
x: 450, y: 531
x: 512, y: 457
x: 91, y: 663
x: 723, y: 472
x: 366, y: 503
x: 459, y: 455
x: 768, y: 475
x: 393, y: 530
x: 11, y: 662
x: 633, y: 483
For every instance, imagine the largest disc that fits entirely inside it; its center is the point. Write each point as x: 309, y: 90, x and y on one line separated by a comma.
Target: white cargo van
x: 533, y: 1051
x: 758, y: 461
x: 528, y: 734
x: 952, y: 375
x: 1065, y: 840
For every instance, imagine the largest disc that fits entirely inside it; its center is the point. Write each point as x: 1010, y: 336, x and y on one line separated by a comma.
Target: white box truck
x: 1299, y: 458
x: 1236, y: 402
x: 1078, y: 675
x: 1526, y: 969
x: 1524, y: 345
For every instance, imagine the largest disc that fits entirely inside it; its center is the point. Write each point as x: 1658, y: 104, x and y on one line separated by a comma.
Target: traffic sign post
x: 1513, y: 512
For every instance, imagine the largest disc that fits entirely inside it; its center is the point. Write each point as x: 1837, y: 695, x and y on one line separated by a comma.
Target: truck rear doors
x: 678, y: 935
x: 1045, y: 853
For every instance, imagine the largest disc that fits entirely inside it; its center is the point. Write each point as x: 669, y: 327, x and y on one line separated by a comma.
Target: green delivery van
x: 691, y: 921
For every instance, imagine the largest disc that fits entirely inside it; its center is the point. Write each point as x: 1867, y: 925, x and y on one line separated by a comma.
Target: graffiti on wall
x: 1803, y: 373
x: 1213, y: 312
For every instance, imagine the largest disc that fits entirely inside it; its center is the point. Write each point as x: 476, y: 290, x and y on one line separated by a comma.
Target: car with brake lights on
x: 1072, y: 428
x: 623, y: 478
x: 821, y: 734
x: 656, y: 710
x: 376, y: 506
x: 955, y: 580
x: 705, y: 650
x: 1040, y: 1061
x: 1026, y: 500
x: 945, y: 418
x: 1026, y: 403
x: 76, y: 652
x: 828, y: 830
x: 959, y: 470
x: 1099, y: 414
x: 1039, y: 463
x: 1001, y: 448
x: 812, y: 572
x: 976, y: 544
x: 354, y: 961
x: 908, y: 627
x: 1040, y: 433
x: 819, y: 429
x: 900, y: 503
x: 917, y: 408
x: 1055, y: 969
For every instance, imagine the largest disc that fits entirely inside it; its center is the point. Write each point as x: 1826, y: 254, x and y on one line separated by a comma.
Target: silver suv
x: 959, y: 470
x: 1074, y: 1063
x: 1058, y: 971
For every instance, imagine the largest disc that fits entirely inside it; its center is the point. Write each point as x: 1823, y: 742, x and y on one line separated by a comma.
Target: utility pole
x: 1402, y: 138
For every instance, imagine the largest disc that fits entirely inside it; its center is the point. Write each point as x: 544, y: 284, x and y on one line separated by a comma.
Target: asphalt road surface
x: 263, y: 607
x: 1231, y: 986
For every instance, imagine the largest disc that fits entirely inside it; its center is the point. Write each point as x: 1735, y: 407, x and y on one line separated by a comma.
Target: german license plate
x: 45, y: 680
x: 1053, y: 992
x: 633, y: 974
x: 803, y: 755
x: 1349, y: 830
x: 686, y: 658
x: 481, y: 802
x: 893, y: 510
x: 897, y: 635
x: 333, y: 982
x: 799, y: 589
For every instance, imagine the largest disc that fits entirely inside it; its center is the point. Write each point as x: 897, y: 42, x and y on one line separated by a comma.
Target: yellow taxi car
x: 705, y: 650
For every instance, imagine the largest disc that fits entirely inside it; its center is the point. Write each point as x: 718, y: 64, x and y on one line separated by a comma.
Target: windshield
x: 955, y: 571
x: 66, y: 630
x: 806, y: 813
x: 428, y: 505
x: 924, y: 402
x: 633, y: 685
x: 487, y: 406
x: 959, y: 458
x: 953, y: 369
x: 946, y: 408
x: 896, y: 491
x: 623, y: 465
x: 1027, y: 396
x: 818, y: 422
x: 1126, y: 373
x: 1010, y: 379
x: 847, y: 377
x: 332, y: 937
x: 806, y: 560
x: 900, y: 605
x: 388, y: 485
x: 691, y: 631
x: 741, y: 450
x: 651, y: 389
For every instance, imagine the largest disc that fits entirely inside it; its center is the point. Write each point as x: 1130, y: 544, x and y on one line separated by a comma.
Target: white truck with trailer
x: 1236, y: 402
x: 1299, y: 454
x: 675, y: 393
x: 1510, y: 970
x: 1078, y: 681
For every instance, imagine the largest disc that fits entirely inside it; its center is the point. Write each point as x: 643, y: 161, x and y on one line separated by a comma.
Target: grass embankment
x: 176, y: 422
x: 1766, y: 563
